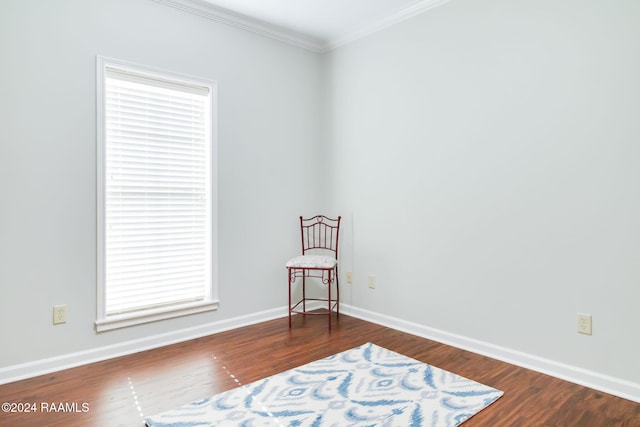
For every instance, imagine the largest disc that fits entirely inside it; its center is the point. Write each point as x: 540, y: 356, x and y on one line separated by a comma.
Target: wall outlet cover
x: 584, y: 324
x: 372, y: 282
x: 59, y: 314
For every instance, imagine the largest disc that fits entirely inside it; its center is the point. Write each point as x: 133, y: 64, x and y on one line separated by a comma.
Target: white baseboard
x: 44, y: 366
x: 607, y: 384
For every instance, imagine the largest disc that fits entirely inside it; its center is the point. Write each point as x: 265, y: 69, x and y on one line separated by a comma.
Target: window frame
x: 106, y: 322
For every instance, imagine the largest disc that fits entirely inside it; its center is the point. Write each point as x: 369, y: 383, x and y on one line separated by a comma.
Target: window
x: 156, y: 195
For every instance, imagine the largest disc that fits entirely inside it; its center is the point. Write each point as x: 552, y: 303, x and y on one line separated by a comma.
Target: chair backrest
x: 320, y: 232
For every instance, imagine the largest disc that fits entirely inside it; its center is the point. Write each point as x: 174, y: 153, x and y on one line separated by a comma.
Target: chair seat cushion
x: 312, y: 261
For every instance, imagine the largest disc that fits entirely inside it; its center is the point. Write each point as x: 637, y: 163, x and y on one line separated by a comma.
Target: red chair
x: 319, y: 260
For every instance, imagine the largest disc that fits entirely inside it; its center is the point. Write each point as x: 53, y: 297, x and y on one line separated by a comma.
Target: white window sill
x: 131, y: 319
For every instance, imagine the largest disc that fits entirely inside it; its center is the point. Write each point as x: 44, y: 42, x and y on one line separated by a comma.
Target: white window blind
x: 157, y: 192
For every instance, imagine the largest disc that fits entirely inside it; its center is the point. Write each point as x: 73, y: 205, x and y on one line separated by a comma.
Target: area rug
x: 365, y: 386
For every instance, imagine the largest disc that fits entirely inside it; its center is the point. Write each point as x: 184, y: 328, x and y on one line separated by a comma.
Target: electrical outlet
x: 59, y: 314
x: 372, y: 282
x: 584, y: 323
x: 349, y: 277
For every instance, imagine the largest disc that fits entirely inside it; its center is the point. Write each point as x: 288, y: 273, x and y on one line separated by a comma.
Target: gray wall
x: 489, y: 152
x: 268, y: 100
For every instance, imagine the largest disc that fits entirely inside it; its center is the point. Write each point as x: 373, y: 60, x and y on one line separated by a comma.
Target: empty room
x: 463, y: 176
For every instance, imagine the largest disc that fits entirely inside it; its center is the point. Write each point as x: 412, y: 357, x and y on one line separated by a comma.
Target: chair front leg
x: 289, y: 282
x: 330, y: 272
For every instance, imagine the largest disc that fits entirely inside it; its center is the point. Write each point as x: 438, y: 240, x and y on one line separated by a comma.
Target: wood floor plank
x: 121, y: 391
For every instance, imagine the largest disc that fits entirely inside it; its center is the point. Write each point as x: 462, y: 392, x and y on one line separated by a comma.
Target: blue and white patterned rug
x: 364, y: 386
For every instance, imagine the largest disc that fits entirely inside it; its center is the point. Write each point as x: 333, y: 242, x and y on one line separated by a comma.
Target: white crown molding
x: 396, y: 18
x: 207, y: 10
x: 595, y: 380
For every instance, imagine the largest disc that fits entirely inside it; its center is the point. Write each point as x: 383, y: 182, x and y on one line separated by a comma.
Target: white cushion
x: 312, y: 261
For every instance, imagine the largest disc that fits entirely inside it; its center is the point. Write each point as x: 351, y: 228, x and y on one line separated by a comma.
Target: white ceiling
x: 318, y: 25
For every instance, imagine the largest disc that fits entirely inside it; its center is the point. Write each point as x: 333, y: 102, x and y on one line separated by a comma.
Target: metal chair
x: 319, y: 259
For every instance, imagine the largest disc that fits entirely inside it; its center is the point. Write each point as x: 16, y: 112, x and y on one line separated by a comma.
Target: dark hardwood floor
x: 119, y: 392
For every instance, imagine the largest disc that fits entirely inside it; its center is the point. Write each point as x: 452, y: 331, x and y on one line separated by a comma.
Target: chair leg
x: 304, y: 293
x: 337, y: 293
x: 289, y: 281
x: 329, y: 297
